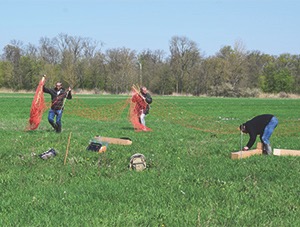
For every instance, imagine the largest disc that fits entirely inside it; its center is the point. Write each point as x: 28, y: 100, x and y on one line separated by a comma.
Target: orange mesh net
x: 107, y: 112
x: 137, y: 105
x: 112, y: 112
x: 38, y: 107
x: 78, y: 107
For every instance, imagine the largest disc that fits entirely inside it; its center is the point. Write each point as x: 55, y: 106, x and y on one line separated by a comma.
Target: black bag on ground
x: 94, y: 146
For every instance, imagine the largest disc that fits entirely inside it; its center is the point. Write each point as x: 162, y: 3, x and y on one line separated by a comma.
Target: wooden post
x: 246, y: 154
x: 67, y: 150
x: 282, y: 152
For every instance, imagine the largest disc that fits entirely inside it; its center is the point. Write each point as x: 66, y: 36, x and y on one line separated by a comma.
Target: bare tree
x: 48, y: 51
x: 120, y: 65
x: 184, y: 55
x: 151, y: 63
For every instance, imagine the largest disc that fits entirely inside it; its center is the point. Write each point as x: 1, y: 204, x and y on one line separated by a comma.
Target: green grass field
x: 190, y: 180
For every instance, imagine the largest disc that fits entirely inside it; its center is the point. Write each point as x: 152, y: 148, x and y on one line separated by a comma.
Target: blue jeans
x: 52, y: 114
x: 269, y: 130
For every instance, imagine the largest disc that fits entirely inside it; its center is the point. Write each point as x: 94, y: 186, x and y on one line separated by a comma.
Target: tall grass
x: 190, y: 179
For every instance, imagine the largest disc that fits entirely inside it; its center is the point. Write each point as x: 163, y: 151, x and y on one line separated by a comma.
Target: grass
x: 190, y: 179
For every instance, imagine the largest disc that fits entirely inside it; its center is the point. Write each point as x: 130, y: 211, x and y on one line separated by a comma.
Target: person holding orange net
x: 58, y: 96
x: 142, y: 102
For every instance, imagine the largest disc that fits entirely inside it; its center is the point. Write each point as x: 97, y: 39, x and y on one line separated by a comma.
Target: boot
x: 267, y: 149
x: 58, y: 129
x: 53, y: 125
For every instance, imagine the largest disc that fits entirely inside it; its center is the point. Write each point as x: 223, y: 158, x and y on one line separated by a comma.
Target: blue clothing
x: 269, y: 130
x: 52, y: 113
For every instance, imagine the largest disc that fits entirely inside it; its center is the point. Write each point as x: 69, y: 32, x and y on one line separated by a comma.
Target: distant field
x: 190, y: 179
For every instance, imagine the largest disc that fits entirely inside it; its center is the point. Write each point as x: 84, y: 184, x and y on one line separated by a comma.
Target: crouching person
x: 262, y: 125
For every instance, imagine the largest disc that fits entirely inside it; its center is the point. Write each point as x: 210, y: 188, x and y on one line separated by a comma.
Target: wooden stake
x: 246, y: 154
x: 282, y: 152
x: 136, y: 88
x: 67, y: 150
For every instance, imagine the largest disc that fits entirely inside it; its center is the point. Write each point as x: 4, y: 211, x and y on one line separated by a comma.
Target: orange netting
x: 38, y: 107
x: 137, y: 105
x: 107, y: 112
x: 111, y: 112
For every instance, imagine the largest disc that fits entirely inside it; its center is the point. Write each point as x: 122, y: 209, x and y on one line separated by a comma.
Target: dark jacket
x: 57, y: 97
x: 256, y: 126
x: 148, y: 100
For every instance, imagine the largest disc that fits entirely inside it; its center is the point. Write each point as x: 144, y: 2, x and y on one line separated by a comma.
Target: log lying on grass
x: 282, y: 152
x: 119, y: 141
x: 246, y: 154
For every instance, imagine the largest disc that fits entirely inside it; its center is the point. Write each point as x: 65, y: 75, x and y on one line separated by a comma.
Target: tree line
x: 80, y: 63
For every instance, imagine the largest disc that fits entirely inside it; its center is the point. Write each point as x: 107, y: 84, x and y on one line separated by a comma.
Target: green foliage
x: 275, y: 80
x: 228, y: 90
x: 79, y: 62
x: 190, y: 179
x: 30, y: 72
x: 6, y: 72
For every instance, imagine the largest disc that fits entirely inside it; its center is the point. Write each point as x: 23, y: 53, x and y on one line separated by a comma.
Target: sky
x: 268, y: 26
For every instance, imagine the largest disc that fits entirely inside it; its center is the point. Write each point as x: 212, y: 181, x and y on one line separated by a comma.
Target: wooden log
x: 246, y: 154
x: 111, y: 140
x: 282, y: 152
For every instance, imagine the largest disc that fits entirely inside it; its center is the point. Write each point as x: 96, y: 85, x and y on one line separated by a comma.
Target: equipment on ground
x: 48, y: 154
x: 96, y: 146
x: 137, y: 162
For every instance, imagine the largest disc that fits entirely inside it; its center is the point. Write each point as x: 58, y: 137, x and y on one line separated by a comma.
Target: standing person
x: 145, y: 110
x: 58, y: 96
x: 262, y: 125
x: 142, y: 100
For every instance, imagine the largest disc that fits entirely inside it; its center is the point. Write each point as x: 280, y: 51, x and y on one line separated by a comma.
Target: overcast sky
x: 269, y: 26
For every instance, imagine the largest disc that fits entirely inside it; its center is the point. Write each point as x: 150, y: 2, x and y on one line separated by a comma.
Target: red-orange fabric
x: 38, y: 107
x: 137, y: 105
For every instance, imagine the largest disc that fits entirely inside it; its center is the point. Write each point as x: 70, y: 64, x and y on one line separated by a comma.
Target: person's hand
x: 246, y: 148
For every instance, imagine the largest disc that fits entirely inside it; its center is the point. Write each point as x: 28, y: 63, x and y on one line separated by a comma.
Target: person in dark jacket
x: 142, y: 107
x: 58, y: 96
x: 147, y: 97
x: 262, y: 125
